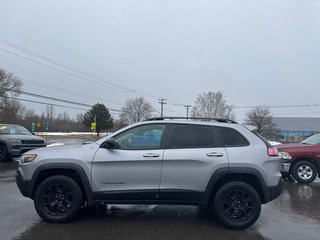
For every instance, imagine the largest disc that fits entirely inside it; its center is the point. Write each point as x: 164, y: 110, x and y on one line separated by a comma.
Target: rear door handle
x: 215, y: 154
x: 151, y: 155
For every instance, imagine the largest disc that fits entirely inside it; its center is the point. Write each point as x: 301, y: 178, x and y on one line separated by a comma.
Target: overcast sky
x: 256, y: 52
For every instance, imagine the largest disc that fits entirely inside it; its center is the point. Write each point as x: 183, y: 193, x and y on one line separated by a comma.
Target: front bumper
x: 285, y: 167
x: 23, y: 185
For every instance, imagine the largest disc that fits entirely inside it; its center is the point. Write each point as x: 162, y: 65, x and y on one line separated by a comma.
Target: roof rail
x: 222, y: 120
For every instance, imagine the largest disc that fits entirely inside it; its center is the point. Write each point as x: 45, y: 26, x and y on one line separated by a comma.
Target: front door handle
x: 215, y: 154
x: 151, y: 155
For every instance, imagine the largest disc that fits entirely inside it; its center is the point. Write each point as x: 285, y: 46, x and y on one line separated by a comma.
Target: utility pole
x: 161, y: 101
x: 187, y: 106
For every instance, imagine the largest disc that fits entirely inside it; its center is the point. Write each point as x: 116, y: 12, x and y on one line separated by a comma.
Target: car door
x: 192, y: 155
x: 132, y: 169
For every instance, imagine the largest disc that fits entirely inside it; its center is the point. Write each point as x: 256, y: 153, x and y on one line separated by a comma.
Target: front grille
x: 32, y: 142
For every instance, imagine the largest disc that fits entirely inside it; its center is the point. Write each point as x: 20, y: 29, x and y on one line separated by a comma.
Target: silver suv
x: 16, y: 140
x: 218, y: 164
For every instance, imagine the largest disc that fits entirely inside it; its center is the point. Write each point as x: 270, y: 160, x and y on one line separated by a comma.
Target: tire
x: 237, y: 205
x: 4, y: 156
x: 58, y: 199
x: 304, y: 172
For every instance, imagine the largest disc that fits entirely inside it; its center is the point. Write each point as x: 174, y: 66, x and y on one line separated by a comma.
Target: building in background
x: 296, y: 129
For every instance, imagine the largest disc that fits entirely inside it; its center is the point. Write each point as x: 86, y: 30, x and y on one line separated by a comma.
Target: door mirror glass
x: 110, y: 144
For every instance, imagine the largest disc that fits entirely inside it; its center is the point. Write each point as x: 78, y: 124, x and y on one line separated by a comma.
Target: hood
x: 291, y: 146
x: 21, y: 137
x: 74, y: 151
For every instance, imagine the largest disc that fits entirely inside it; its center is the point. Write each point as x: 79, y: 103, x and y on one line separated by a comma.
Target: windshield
x: 13, y: 129
x: 315, y: 139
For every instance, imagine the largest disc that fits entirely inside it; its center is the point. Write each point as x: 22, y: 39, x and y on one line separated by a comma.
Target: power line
x: 45, y: 86
x: 76, y: 70
x: 283, y: 106
x: 56, y: 99
x: 52, y: 104
x: 45, y: 103
x: 59, y: 70
x: 100, y: 81
x: 62, y: 65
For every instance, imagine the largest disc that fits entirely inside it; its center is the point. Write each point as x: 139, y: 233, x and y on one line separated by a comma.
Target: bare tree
x: 11, y: 111
x: 262, y: 118
x: 135, y: 110
x: 49, y: 113
x: 212, y: 105
x: 9, y: 84
x: 79, y: 118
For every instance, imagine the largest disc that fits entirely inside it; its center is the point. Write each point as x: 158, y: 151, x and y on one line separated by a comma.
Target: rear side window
x: 232, y: 138
x: 191, y: 136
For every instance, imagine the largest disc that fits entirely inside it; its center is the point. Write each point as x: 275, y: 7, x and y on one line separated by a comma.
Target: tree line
x: 211, y: 104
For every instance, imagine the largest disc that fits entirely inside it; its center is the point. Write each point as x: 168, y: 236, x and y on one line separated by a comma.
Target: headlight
x: 14, y: 141
x: 285, y: 155
x: 27, y: 158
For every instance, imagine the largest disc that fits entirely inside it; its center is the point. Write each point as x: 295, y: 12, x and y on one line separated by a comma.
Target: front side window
x: 191, y: 136
x: 141, y: 137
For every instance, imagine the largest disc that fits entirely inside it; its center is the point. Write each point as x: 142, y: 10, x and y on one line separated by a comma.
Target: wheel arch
x: 247, y: 175
x: 70, y: 170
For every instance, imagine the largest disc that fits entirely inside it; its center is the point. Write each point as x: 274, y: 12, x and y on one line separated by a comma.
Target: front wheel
x: 4, y: 156
x: 237, y: 205
x: 304, y: 172
x: 58, y: 199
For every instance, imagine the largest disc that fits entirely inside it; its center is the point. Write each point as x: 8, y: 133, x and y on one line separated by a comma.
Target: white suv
x: 220, y: 164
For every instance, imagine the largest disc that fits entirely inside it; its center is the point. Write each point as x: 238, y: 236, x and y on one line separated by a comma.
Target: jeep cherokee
x: 218, y: 164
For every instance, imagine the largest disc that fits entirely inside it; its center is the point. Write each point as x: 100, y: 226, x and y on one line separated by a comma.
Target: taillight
x: 273, y: 152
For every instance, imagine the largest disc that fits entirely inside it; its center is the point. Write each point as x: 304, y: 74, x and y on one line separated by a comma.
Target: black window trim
x: 229, y: 146
x: 214, y: 133
x: 162, y: 142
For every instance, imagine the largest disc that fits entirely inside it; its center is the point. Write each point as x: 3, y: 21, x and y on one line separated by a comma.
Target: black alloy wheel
x: 237, y: 205
x: 58, y: 199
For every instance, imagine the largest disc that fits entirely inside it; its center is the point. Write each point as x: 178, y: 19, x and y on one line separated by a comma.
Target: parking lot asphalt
x: 295, y: 215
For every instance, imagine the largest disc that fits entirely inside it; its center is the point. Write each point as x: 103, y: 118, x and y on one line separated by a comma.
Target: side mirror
x: 110, y: 143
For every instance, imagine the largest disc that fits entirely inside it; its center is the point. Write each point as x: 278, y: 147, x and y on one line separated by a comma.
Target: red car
x: 301, y: 160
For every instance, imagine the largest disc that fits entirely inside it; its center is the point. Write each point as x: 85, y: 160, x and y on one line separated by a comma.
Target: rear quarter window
x: 231, y: 137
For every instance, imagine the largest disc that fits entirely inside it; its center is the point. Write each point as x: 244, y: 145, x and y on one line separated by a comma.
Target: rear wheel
x: 237, y: 205
x: 58, y: 199
x: 304, y: 172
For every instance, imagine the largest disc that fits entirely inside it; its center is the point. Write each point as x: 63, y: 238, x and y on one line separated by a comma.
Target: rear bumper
x: 274, y: 191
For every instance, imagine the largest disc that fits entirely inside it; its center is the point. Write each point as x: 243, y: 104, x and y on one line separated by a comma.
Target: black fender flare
x: 62, y: 166
x: 227, y: 172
